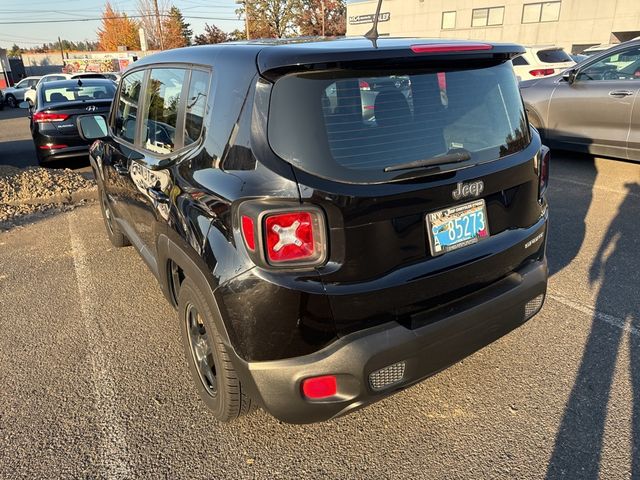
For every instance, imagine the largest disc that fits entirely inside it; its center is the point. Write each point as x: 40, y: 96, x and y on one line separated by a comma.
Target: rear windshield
x: 78, y: 93
x: 556, y: 55
x: 349, y: 127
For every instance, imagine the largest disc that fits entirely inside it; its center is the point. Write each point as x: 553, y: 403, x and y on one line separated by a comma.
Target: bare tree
x: 149, y: 21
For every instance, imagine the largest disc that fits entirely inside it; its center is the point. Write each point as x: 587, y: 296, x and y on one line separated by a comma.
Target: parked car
x: 30, y: 95
x: 592, y: 107
x: 320, y: 261
x: 57, y: 107
x: 541, y: 62
x: 14, y: 95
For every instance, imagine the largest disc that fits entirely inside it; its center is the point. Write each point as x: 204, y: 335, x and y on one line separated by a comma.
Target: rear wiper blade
x: 453, y: 157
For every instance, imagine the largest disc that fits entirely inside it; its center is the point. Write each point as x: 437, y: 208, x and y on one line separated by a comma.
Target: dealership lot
x: 96, y: 386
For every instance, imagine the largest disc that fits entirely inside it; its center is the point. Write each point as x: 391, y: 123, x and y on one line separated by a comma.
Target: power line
x: 70, y: 20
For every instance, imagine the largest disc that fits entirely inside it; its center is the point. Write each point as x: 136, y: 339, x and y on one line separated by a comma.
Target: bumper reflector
x: 533, y: 306
x: 320, y: 387
x: 387, y: 376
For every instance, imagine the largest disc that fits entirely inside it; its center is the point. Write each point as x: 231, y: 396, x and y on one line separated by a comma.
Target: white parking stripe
x: 113, y: 449
x: 592, y: 312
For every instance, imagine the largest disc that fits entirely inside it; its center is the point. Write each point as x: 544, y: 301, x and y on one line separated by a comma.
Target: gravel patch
x: 28, y: 193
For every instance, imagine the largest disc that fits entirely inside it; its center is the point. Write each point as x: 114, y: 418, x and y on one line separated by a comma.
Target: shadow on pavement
x: 569, y: 203
x: 578, y: 446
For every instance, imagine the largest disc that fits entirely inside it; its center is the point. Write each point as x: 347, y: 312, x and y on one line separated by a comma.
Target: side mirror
x: 570, y: 76
x: 92, y: 127
x: 24, y: 105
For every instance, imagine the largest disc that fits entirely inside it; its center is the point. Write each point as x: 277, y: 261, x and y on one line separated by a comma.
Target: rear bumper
x: 491, y: 313
x: 46, y: 155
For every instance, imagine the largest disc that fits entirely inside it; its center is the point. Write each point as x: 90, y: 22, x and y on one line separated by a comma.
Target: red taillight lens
x: 289, y: 237
x: 52, y: 146
x: 49, y: 117
x: 543, y: 169
x: 320, y: 387
x: 450, y: 47
x: 542, y: 72
x: 284, y: 237
x: 248, y: 232
x: 364, y: 85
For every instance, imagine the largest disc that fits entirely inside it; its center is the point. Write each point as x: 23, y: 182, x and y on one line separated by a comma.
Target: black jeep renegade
x: 333, y: 220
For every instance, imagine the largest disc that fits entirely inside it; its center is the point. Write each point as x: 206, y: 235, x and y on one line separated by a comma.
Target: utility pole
x: 61, y: 50
x: 155, y: 4
x: 322, y: 4
x: 246, y: 18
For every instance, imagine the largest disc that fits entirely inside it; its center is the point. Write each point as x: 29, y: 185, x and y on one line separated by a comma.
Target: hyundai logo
x: 91, y: 108
x: 472, y: 189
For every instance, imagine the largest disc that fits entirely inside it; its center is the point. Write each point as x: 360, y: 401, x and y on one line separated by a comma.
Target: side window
x: 624, y: 65
x: 127, y: 110
x: 33, y: 83
x: 520, y: 61
x: 196, y: 106
x: 160, y: 119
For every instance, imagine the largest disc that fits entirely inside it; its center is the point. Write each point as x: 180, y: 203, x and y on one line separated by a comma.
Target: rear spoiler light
x: 450, y: 47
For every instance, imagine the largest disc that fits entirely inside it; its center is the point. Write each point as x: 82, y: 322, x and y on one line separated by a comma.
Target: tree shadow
x: 578, y: 447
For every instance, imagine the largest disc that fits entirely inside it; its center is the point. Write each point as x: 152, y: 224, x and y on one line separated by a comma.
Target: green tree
x: 175, y: 31
x: 15, y: 51
x: 236, y: 35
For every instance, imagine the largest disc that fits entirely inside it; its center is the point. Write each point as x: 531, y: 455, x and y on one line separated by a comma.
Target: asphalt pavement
x: 95, y: 385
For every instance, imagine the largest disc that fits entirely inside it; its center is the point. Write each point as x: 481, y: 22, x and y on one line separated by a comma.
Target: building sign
x: 361, y: 19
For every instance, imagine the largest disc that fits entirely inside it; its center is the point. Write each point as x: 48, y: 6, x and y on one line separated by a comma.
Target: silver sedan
x: 592, y: 107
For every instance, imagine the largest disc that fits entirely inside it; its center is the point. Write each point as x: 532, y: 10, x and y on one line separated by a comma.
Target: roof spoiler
x: 274, y: 62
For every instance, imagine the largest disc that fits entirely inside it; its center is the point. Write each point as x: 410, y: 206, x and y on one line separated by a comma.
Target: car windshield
x: 57, y: 94
x: 350, y: 126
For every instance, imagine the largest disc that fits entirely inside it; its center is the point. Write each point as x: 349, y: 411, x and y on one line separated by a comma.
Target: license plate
x: 457, y: 227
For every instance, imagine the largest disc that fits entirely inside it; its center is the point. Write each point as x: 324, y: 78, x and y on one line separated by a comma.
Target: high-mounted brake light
x: 364, y: 85
x: 49, y: 117
x: 542, y: 72
x: 316, y: 388
x: 450, y: 47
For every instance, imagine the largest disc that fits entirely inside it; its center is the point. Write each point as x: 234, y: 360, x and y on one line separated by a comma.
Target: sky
x: 196, y: 12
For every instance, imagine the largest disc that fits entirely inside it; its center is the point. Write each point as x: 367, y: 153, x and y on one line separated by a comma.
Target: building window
x: 448, y: 20
x: 483, y: 17
x: 541, y: 12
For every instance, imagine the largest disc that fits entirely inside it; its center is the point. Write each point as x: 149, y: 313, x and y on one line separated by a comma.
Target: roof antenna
x: 373, y: 33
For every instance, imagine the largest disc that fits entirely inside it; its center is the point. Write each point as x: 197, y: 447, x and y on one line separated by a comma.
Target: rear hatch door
x: 349, y: 144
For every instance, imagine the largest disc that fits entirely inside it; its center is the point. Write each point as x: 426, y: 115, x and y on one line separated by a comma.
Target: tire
x: 11, y: 101
x: 116, y: 237
x: 210, y: 366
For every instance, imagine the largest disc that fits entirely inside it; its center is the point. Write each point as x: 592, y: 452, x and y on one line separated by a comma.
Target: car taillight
x: 248, y: 232
x: 542, y: 72
x: 544, y: 157
x: 285, y: 237
x: 52, y: 146
x: 49, y: 117
x: 316, y: 388
x: 364, y: 85
x: 290, y: 237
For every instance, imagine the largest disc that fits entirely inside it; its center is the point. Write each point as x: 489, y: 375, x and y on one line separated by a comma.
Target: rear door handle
x: 621, y: 93
x: 158, y: 195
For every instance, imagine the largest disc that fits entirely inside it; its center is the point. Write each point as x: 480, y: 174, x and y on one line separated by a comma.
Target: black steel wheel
x: 211, y: 368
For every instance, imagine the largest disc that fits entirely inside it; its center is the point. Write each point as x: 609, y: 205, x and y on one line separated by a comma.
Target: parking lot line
x: 113, y: 449
x: 588, y: 310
